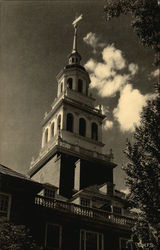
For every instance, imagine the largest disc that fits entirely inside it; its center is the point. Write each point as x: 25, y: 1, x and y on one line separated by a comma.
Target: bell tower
x: 71, y: 152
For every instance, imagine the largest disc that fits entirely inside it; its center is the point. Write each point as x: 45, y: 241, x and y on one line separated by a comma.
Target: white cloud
x: 111, y: 75
x: 113, y: 57
x: 133, y: 68
x: 107, y: 124
x: 91, y: 65
x: 108, y: 76
x: 129, y: 107
x: 93, y: 40
x: 111, y: 86
x: 155, y: 73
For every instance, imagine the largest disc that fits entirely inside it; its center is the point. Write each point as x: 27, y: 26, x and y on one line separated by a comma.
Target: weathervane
x: 75, y: 25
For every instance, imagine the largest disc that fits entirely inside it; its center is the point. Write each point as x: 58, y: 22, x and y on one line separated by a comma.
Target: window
x: 85, y: 202
x: 80, y: 85
x: 69, y: 83
x: 125, y: 244
x: 59, y: 122
x: 82, y: 127
x: 4, y: 205
x: 70, y: 120
x: 94, y: 131
x: 117, y: 210
x: 91, y: 240
x: 46, y: 135
x: 61, y: 87
x: 52, y: 129
x: 53, y: 237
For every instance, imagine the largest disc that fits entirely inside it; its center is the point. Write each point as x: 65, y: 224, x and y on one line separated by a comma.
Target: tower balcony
x: 81, y: 147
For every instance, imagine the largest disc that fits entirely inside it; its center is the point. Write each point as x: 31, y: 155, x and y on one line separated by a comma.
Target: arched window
x: 61, y: 87
x: 94, y: 131
x: 59, y: 122
x: 46, y: 135
x: 82, y: 127
x: 80, y: 85
x: 69, y: 83
x: 69, y: 124
x: 52, y: 129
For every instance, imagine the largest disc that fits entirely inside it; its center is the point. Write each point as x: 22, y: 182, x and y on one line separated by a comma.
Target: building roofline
x: 5, y: 171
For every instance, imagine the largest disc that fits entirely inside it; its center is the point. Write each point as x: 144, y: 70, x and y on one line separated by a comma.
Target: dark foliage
x: 143, y: 174
x: 16, y: 237
x: 145, y: 20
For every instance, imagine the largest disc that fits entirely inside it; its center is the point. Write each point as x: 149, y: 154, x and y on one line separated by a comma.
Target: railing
x: 64, y: 144
x: 90, y: 213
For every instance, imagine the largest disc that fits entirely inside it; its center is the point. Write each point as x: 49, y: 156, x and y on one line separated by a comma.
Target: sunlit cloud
x: 154, y: 74
x: 112, y: 74
x: 108, y: 76
x: 107, y: 124
x: 94, y: 41
x: 133, y: 68
x: 129, y: 107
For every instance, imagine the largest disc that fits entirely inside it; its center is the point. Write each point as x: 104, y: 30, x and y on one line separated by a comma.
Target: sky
x: 36, y: 39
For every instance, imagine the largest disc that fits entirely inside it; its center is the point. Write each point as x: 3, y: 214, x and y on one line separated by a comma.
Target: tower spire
x: 74, y: 49
x: 75, y: 24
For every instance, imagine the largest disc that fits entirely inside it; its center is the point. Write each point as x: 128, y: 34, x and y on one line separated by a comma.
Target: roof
x: 10, y: 172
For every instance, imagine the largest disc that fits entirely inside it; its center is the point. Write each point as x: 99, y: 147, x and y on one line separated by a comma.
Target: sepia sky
x: 36, y: 39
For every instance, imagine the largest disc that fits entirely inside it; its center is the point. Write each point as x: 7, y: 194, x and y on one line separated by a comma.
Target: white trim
x: 60, y: 235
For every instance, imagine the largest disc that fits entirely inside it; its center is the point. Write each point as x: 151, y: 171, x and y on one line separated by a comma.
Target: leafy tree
x: 145, y: 19
x: 16, y: 237
x: 143, y: 175
x: 143, y: 169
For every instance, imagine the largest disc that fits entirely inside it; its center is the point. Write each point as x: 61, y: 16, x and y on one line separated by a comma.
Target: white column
x: 77, y: 175
x: 49, y: 132
x: 43, y: 138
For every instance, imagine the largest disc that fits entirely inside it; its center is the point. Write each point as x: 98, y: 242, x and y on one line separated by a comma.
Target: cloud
x: 108, y: 76
x: 133, y: 68
x: 91, y: 65
x: 113, y: 57
x: 129, y: 107
x: 154, y: 74
x: 107, y: 124
x: 94, y: 41
x: 113, y: 74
